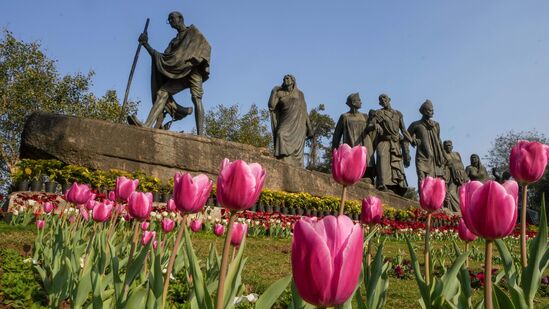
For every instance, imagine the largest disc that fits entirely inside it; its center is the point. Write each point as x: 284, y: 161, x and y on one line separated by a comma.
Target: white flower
x: 209, y: 218
x: 173, y: 214
x: 164, y: 213
x: 31, y: 202
x: 16, y: 213
x: 153, y: 213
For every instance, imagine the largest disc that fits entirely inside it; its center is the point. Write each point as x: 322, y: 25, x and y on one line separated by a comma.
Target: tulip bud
x: 78, y: 194
x: 170, y: 205
x: 48, y: 207
x: 527, y: 161
x: 40, y: 224
x: 190, y: 193
x: 145, y: 225
x: 112, y: 196
x: 102, y: 211
x: 167, y: 225
x: 147, y: 237
x: 238, y: 233
x: 196, y: 225
x: 84, y: 212
x: 218, y: 229
x: 140, y: 205
x: 239, y: 184
x: 490, y: 210
x: 125, y: 187
x: 372, y: 211
x: 464, y: 233
x: 327, y: 259
x: 432, y: 193
x: 349, y: 164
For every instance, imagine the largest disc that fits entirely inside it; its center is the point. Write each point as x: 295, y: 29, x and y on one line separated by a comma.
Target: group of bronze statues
x: 383, y: 133
x: 185, y: 65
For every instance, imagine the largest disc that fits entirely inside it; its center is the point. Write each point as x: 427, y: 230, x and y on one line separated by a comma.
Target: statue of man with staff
x: 184, y: 64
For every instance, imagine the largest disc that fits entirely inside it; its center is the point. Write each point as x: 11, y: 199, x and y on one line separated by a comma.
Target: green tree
x: 319, y: 156
x: 498, y: 157
x: 29, y: 82
x: 225, y: 122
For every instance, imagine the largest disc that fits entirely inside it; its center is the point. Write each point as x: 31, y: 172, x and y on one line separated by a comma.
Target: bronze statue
x: 353, y: 128
x: 184, y: 64
x: 290, y: 121
x: 392, y: 153
x: 477, y: 171
x: 455, y: 176
x: 430, y: 158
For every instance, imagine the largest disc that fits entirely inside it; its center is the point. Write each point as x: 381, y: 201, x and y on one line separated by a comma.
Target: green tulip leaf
x: 201, y: 294
x: 273, y: 292
x: 538, y: 259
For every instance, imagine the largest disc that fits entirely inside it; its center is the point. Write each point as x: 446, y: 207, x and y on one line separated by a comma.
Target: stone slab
x: 103, y: 145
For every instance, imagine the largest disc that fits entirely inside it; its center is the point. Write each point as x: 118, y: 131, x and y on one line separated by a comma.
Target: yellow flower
x: 28, y: 171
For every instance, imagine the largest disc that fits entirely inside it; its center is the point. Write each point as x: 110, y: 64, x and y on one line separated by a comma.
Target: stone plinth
x: 103, y: 145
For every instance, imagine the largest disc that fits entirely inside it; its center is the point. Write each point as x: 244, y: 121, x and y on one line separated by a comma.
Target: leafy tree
x: 225, y: 122
x: 29, y: 82
x: 323, y: 127
x: 498, y: 157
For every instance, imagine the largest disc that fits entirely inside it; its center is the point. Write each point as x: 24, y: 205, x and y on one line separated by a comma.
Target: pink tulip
x: 112, y: 196
x: 167, y: 225
x: 490, y: 211
x: 238, y: 232
x: 78, y: 194
x: 145, y: 225
x: 170, y: 205
x: 465, y: 192
x: 239, y: 184
x: 155, y: 245
x: 196, y: 225
x: 72, y: 219
x: 84, y: 212
x: 348, y: 164
x: 102, y: 211
x: 90, y: 205
x: 432, y: 192
x: 327, y: 259
x: 218, y: 229
x: 40, y: 224
x: 140, y: 205
x: 191, y: 193
x: 48, y: 207
x: 528, y: 160
x: 125, y: 187
x: 464, y: 233
x: 372, y: 211
x: 147, y: 237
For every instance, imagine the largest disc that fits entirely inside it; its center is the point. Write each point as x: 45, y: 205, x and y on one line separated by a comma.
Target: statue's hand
x: 379, y: 129
x: 143, y: 38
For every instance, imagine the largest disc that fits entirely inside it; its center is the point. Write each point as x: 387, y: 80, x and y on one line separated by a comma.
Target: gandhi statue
x: 184, y: 64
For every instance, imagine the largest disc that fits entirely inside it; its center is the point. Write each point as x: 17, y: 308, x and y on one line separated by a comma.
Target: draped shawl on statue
x: 187, y: 51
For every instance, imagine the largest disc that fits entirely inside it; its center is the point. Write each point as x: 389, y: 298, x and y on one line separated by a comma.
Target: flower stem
x: 467, y: 258
x: 224, y: 261
x: 183, y: 222
x: 488, y: 276
x: 523, y: 257
x: 369, y: 260
x: 132, y: 250
x: 343, y: 196
x: 427, y: 250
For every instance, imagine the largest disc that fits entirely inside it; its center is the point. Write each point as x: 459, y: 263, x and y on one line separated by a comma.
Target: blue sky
x: 483, y: 64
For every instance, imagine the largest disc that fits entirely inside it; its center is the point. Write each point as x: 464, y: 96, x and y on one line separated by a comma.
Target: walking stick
x: 125, y: 102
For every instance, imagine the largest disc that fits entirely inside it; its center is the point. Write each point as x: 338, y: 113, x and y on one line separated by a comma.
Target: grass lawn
x: 269, y: 260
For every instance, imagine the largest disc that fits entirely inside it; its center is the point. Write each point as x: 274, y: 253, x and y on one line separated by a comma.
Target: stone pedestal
x: 103, y: 145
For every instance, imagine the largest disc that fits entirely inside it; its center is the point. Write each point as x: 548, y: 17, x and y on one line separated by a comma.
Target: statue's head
x: 175, y: 19
x: 384, y: 100
x: 475, y: 159
x: 426, y: 109
x: 353, y: 100
x: 288, y: 80
x: 448, y: 146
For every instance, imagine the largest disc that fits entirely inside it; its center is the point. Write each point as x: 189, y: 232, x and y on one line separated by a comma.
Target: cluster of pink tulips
x: 328, y: 257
